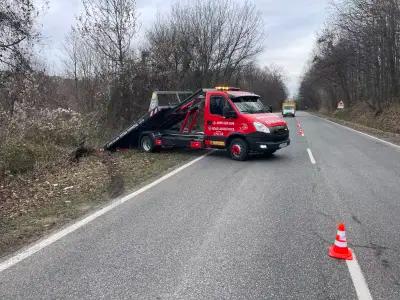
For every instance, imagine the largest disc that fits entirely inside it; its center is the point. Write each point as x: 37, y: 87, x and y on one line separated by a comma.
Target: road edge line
x: 20, y: 256
x: 360, y: 132
x: 359, y: 282
x: 311, y: 156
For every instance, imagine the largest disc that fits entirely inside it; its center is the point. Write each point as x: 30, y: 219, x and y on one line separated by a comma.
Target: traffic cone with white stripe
x: 339, y: 248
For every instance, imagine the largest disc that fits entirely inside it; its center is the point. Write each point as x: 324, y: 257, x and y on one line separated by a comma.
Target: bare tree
x: 104, y: 35
x: 16, y: 31
x: 72, y: 47
x: 358, y: 55
x: 109, y: 26
x: 17, y: 35
x: 88, y: 69
x: 204, y: 42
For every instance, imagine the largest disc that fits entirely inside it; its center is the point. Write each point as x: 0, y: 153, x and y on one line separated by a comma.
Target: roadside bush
x: 35, y: 138
x: 57, y: 132
x: 17, y: 157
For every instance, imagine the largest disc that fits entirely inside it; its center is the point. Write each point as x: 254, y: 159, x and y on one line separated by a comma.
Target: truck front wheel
x: 147, y: 144
x: 238, y: 149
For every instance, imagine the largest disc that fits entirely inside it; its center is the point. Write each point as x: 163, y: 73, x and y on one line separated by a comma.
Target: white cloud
x: 290, y: 27
x: 292, y: 57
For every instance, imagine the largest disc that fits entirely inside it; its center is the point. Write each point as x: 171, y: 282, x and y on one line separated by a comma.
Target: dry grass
x: 388, y: 120
x: 361, y: 117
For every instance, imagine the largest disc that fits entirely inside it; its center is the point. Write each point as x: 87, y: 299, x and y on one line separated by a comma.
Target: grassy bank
x: 385, y: 125
x: 388, y: 120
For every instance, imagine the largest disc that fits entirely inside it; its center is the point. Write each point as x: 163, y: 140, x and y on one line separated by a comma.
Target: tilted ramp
x: 159, y: 118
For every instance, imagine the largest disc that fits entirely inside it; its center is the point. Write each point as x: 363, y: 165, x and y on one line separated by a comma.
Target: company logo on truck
x: 222, y: 125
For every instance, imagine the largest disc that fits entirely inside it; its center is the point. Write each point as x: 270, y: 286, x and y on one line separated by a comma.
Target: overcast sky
x: 290, y: 27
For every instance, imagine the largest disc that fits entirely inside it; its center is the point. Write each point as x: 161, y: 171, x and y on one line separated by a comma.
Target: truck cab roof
x: 232, y: 93
x: 236, y: 94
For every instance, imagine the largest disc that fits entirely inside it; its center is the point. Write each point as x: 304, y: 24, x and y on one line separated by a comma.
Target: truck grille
x: 279, y: 133
x: 280, y: 130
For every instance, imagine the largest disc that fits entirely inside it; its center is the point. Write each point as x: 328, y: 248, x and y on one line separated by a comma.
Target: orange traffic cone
x: 339, y: 248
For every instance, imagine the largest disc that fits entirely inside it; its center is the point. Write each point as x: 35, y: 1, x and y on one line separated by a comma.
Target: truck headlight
x: 261, y: 127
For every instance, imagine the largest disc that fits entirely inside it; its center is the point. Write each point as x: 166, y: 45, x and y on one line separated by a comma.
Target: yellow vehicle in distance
x: 289, y: 108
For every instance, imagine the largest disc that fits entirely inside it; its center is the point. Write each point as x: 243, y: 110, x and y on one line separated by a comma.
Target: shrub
x: 33, y: 138
x: 17, y: 157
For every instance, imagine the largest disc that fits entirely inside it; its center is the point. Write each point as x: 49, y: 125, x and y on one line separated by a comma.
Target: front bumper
x: 262, y: 142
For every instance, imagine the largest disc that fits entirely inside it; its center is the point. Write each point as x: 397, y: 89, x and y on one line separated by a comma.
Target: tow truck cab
x: 222, y: 118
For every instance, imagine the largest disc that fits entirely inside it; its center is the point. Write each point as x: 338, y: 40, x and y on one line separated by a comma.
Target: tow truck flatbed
x: 157, y: 118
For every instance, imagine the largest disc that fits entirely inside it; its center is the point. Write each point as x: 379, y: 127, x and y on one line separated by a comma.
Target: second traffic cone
x: 339, y: 248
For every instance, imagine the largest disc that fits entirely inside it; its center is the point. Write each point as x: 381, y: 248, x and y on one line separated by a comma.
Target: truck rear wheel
x: 147, y: 143
x: 238, y: 149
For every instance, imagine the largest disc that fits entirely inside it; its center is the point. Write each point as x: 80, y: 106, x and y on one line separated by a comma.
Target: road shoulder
x: 389, y: 137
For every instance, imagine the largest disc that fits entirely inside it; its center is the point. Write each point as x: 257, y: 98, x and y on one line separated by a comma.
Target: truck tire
x: 147, y: 144
x: 238, y: 149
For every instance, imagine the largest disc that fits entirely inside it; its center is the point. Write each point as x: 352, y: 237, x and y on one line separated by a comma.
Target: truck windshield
x: 249, y: 105
x: 288, y: 107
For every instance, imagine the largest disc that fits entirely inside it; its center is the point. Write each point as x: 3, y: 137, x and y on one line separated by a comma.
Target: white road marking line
x: 358, y: 279
x: 312, y: 159
x: 71, y: 228
x: 362, y: 133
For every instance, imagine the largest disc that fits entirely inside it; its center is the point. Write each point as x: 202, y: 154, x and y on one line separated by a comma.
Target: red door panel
x: 216, y: 125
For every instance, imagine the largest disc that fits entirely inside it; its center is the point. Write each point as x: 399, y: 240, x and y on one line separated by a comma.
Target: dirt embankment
x: 388, y: 120
x: 34, y: 203
x: 385, y: 125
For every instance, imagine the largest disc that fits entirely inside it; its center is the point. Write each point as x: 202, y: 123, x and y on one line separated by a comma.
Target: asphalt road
x: 221, y: 229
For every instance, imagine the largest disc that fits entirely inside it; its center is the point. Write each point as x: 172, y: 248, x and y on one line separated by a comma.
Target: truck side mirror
x: 229, y: 113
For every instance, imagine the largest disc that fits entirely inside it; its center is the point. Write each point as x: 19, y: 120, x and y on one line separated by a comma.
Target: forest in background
x: 357, y: 60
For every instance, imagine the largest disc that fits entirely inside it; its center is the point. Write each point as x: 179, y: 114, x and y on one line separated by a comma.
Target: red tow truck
x: 221, y: 118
